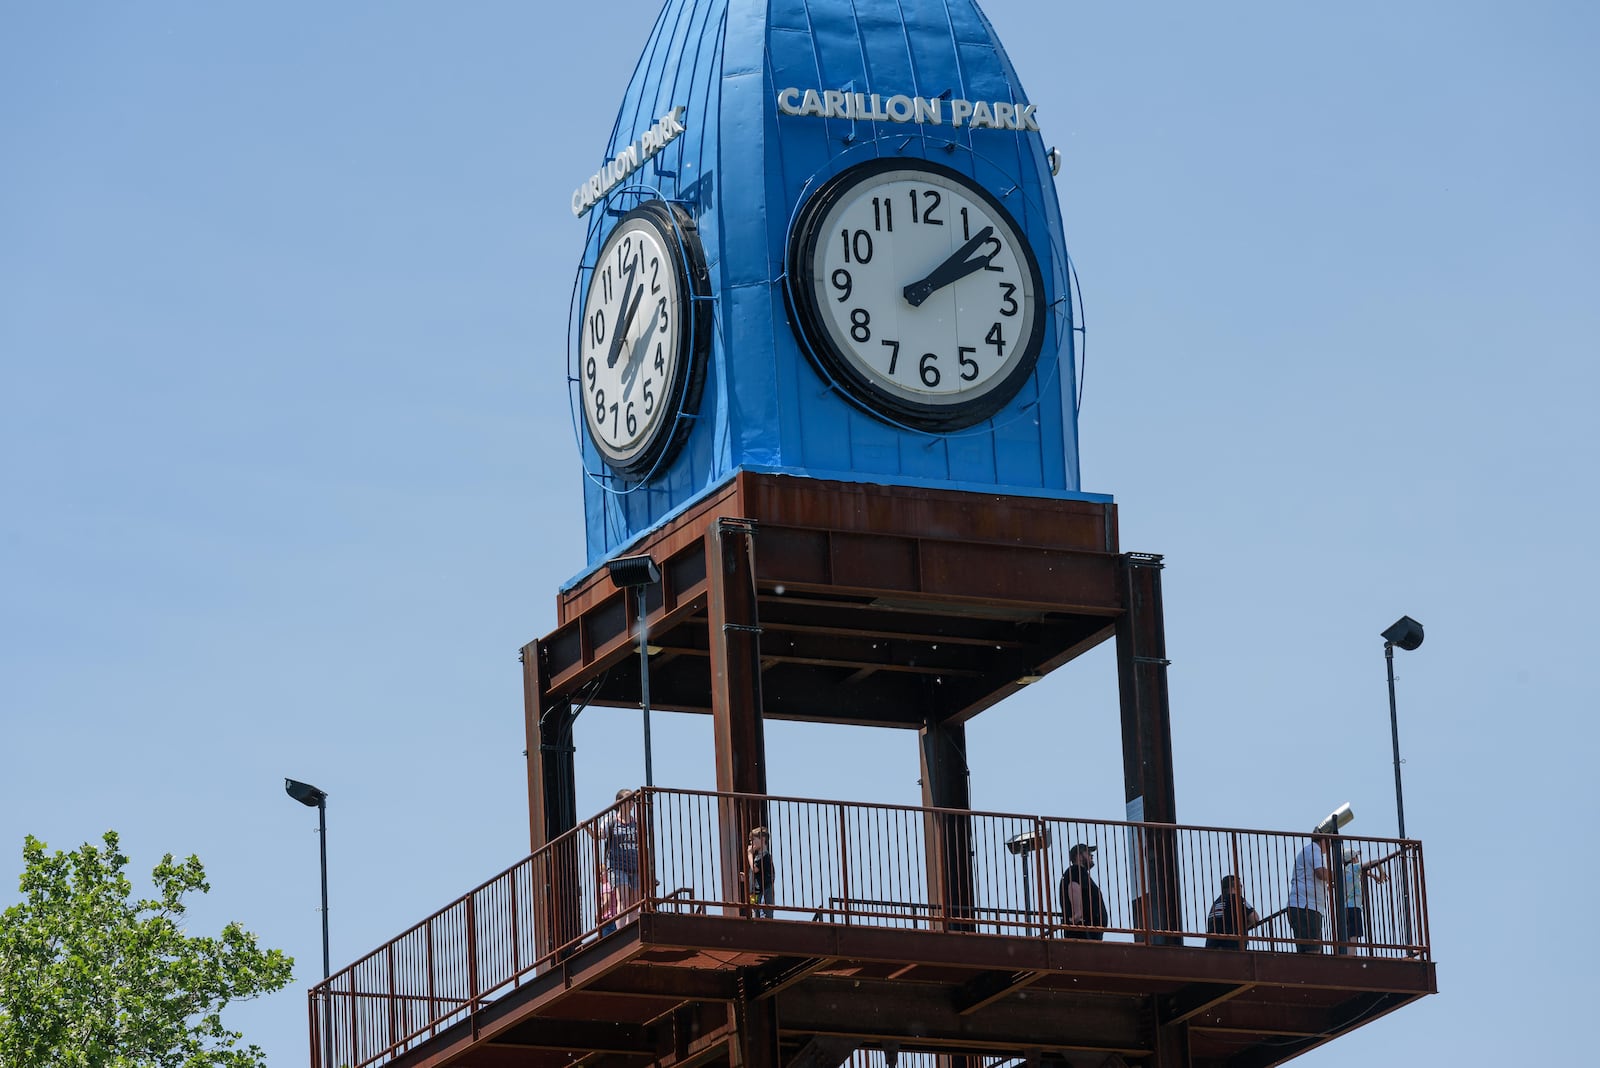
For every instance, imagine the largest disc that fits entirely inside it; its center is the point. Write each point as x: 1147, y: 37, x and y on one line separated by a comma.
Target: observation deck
x: 860, y: 963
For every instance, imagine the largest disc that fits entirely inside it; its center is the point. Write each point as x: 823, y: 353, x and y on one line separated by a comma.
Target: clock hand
x: 622, y: 328
x: 960, y: 264
x: 630, y: 370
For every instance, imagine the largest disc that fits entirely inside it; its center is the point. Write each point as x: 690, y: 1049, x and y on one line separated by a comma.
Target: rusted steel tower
x: 822, y: 360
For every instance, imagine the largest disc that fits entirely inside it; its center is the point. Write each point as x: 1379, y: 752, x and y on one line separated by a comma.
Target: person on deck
x: 1230, y: 914
x: 760, y: 872
x: 1308, y: 895
x: 1081, y: 900
x: 619, y: 841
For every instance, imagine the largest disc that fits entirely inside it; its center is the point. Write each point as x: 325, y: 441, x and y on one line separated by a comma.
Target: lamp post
x: 312, y: 797
x: 1407, y: 634
x: 639, y: 573
x: 1022, y: 845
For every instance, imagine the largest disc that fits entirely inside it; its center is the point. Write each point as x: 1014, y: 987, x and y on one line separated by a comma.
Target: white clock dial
x: 917, y: 293
x: 637, y: 330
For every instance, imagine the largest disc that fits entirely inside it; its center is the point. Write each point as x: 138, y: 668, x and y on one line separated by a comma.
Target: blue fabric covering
x: 742, y: 167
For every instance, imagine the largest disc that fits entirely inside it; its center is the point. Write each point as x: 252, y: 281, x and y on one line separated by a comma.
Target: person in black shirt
x: 1227, y: 911
x: 1080, y: 898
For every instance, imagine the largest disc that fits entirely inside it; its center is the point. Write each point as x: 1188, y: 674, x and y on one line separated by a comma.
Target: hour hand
x: 630, y: 370
x: 961, y: 263
x: 622, y: 328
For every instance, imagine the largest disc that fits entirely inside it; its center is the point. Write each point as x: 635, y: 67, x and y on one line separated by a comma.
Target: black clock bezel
x: 679, y: 235
x: 817, y: 340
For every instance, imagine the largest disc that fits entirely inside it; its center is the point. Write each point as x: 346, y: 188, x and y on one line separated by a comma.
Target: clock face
x: 916, y: 292
x: 639, y: 369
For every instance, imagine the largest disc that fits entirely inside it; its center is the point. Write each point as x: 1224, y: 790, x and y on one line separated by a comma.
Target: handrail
x: 870, y: 863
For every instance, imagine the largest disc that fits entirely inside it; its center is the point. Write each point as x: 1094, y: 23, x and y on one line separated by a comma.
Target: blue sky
x: 287, y: 474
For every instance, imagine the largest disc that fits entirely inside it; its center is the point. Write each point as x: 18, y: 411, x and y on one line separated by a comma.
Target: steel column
x: 734, y: 627
x: 945, y: 785
x: 552, y: 803
x: 1147, y: 732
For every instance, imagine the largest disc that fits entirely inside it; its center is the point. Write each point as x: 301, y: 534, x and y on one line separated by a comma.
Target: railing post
x: 394, y: 1002
x: 516, y: 948
x: 1241, y: 915
x: 355, y: 1037
x: 472, y: 957
x: 647, y: 866
x: 844, y: 861
x: 313, y: 1003
x: 433, y: 1004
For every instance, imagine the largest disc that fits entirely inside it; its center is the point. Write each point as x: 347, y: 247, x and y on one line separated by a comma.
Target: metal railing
x: 838, y: 862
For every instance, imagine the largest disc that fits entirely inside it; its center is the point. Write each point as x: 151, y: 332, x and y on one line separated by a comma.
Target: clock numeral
x: 615, y: 426
x: 928, y: 368
x: 969, y: 366
x: 624, y: 254
x: 966, y: 230
x: 661, y: 313
x: 661, y: 362
x: 597, y: 326
x: 589, y: 370
x: 844, y: 284
x: 600, y: 406
x: 633, y: 421
x: 605, y: 283
x: 930, y: 204
x: 882, y: 214
x: 655, y: 275
x: 649, y: 397
x: 859, y: 328
x: 997, y: 338
x: 894, y: 353
x: 1010, y: 306
x: 995, y: 251
x: 859, y: 242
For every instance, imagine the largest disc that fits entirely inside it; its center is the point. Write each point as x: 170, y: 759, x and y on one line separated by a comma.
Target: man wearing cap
x: 1080, y: 897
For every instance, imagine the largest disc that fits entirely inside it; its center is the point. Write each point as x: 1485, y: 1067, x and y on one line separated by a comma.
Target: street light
x: 1407, y: 634
x: 312, y: 797
x: 1021, y: 845
x: 639, y: 573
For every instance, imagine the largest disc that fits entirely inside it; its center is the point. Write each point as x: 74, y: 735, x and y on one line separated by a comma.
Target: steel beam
x: 920, y: 1016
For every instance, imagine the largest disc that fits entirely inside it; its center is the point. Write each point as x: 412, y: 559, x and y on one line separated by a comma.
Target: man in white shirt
x: 1308, y: 895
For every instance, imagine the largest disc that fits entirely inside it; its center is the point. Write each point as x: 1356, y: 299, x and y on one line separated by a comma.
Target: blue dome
x: 775, y: 97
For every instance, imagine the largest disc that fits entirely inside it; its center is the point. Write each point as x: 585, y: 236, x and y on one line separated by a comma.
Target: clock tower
x: 822, y: 374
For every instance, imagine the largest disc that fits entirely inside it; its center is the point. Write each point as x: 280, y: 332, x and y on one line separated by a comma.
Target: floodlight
x: 1406, y: 633
x: 630, y: 571
x: 1022, y: 843
x: 305, y: 793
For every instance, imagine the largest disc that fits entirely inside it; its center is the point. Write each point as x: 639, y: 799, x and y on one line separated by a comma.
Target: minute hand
x: 961, y: 263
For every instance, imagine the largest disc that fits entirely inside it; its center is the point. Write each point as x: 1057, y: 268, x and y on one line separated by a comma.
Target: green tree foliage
x: 90, y: 978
